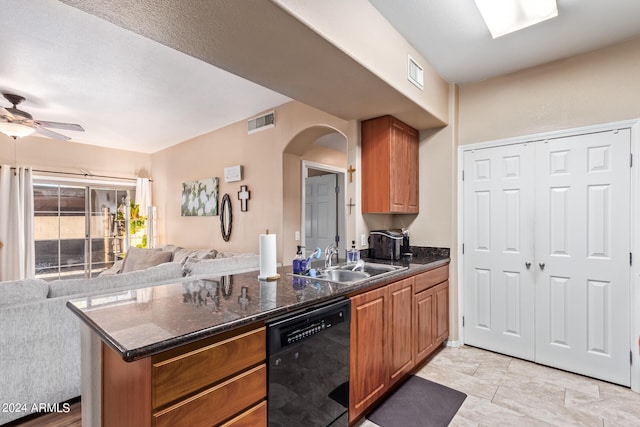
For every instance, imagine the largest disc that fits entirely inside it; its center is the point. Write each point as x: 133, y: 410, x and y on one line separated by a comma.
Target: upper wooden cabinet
x: 389, y: 166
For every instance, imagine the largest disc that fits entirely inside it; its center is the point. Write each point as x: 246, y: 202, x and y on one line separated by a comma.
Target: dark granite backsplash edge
x: 428, y: 251
x: 419, y: 252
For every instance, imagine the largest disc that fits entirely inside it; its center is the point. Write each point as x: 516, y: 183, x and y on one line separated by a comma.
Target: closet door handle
x: 527, y: 264
x: 541, y: 265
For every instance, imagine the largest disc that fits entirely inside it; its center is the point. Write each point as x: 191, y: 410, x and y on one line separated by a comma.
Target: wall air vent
x: 415, y: 73
x: 257, y: 124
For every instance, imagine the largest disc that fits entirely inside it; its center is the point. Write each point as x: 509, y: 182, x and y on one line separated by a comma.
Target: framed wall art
x: 200, y: 198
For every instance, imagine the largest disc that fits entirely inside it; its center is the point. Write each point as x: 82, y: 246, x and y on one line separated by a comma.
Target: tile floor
x: 503, y: 391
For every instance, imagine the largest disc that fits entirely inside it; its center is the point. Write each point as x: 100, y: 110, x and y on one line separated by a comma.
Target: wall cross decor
x: 351, y: 170
x: 350, y: 204
x: 244, y: 195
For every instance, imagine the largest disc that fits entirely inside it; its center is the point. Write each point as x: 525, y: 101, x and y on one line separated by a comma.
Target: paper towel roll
x: 268, y: 265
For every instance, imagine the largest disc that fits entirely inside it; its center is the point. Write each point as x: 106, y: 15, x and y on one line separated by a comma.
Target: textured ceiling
x: 455, y: 41
x: 131, y: 92
x: 127, y: 91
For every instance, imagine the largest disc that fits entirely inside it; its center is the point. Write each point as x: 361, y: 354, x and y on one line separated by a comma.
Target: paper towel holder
x: 226, y: 217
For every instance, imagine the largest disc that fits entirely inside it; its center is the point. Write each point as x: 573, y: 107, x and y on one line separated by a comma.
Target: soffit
x: 259, y: 41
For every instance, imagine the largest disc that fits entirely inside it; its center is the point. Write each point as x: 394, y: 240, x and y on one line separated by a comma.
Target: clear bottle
x: 353, y: 255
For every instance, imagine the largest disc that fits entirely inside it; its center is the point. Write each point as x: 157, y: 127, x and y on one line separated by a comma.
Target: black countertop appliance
x: 388, y: 244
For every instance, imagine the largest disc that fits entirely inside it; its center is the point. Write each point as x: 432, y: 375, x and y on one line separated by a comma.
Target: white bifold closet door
x: 498, y: 244
x: 547, y: 275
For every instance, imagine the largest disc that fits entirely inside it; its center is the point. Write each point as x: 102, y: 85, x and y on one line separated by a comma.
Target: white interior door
x: 582, y: 254
x: 320, y: 211
x: 498, y: 244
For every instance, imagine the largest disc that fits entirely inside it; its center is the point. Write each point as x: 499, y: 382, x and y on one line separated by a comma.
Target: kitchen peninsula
x: 194, y: 352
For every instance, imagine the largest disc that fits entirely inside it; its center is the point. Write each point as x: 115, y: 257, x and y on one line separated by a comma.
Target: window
x: 76, y: 230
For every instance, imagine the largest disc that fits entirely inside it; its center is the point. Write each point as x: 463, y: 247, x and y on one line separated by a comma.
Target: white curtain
x: 17, y: 256
x: 143, y: 194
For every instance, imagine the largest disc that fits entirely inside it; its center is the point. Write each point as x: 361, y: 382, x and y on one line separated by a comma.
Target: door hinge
x: 337, y: 189
x: 630, y: 357
x: 630, y: 258
x: 463, y: 175
x: 631, y: 160
x: 463, y: 249
x: 463, y: 321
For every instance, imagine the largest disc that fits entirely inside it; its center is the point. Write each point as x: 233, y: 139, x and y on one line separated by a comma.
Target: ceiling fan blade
x: 5, y: 113
x: 58, y: 125
x: 51, y: 134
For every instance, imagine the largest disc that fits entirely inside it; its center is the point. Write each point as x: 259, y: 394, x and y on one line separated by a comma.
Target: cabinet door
x: 389, y: 166
x: 368, y: 370
x: 412, y: 171
x: 441, y: 315
x: 400, y: 329
x: 397, y: 160
x: 424, y: 312
x: 375, y: 165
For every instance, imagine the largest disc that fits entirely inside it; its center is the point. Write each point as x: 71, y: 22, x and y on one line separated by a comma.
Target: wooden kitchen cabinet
x: 400, y: 331
x: 441, y: 315
x: 424, y: 309
x: 393, y: 329
x: 369, y: 373
x: 389, y: 166
x: 218, y: 380
x: 431, y: 311
x: 382, y: 335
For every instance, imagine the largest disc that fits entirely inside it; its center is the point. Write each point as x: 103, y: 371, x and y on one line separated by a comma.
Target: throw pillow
x: 141, y: 259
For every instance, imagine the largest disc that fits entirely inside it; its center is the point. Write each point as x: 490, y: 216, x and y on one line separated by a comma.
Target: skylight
x: 506, y: 16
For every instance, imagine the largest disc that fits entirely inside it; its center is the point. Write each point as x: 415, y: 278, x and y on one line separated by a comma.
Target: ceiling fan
x: 17, y: 123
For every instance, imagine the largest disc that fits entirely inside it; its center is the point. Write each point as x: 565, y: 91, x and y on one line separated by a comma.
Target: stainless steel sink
x: 374, y: 269
x: 344, y: 273
x: 339, y: 275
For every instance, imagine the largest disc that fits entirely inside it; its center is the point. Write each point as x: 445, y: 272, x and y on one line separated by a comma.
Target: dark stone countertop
x: 143, y: 322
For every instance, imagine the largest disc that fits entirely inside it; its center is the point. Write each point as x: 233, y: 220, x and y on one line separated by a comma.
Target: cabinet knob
x: 527, y: 264
x: 541, y: 265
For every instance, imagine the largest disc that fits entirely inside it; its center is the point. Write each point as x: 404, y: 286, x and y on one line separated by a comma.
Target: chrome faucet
x: 331, y: 250
x: 359, y: 265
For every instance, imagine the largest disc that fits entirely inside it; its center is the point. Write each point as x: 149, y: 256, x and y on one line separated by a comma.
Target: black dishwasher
x: 308, y: 375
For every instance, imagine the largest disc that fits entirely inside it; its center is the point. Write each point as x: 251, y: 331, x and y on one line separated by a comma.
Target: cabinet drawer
x: 430, y: 278
x: 217, y: 403
x: 187, y: 373
x: 252, y: 417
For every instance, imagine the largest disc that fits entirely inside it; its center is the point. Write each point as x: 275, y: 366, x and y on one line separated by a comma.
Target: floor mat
x: 420, y: 403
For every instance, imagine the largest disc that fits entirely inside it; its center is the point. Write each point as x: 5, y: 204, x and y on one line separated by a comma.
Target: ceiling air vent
x: 263, y: 122
x: 415, y: 73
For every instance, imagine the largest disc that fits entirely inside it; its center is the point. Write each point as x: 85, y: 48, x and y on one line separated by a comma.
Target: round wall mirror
x: 226, y: 217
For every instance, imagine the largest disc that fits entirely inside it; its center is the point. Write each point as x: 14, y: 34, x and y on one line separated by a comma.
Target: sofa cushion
x: 22, y: 291
x: 222, y: 266
x: 181, y: 255
x: 135, y: 279
x: 116, y: 268
x: 141, y: 259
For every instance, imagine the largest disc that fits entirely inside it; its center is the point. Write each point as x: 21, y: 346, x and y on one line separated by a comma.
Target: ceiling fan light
x: 15, y: 130
x: 506, y: 16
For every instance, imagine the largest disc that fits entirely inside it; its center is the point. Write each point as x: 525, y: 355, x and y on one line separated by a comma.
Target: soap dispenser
x: 353, y: 255
x: 298, y: 263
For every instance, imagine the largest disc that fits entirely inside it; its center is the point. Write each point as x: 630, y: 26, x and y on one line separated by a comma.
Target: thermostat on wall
x: 233, y: 173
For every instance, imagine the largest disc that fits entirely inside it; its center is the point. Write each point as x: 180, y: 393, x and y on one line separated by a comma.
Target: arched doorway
x: 314, y: 159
